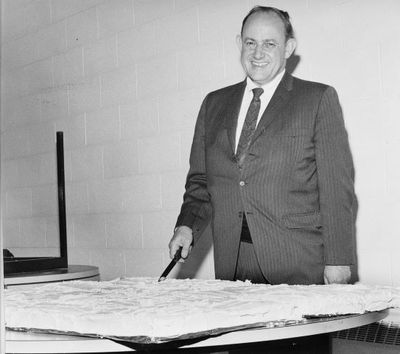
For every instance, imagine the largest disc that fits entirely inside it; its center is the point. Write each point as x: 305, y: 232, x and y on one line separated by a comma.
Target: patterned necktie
x: 250, y: 123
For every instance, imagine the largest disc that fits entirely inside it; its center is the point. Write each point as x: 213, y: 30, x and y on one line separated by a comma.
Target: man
x: 281, y: 198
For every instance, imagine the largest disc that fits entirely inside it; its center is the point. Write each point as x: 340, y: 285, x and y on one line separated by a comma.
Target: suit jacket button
x: 242, y: 183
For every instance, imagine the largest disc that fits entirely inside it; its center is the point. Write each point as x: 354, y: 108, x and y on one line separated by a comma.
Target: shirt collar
x: 272, y: 85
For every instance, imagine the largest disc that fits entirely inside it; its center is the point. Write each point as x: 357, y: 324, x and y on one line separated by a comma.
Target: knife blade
x: 171, y: 265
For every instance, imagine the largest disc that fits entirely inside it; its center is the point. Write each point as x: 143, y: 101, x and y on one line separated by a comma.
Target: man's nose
x: 258, y: 51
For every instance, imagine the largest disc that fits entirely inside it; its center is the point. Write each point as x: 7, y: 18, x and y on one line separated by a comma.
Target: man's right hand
x: 183, y: 237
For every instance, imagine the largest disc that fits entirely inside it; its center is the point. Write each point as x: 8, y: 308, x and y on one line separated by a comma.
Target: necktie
x: 250, y: 123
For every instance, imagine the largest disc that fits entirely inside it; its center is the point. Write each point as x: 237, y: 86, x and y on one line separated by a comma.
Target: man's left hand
x: 337, y: 274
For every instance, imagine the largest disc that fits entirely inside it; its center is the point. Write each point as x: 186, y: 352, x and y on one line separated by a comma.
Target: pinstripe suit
x: 295, y: 185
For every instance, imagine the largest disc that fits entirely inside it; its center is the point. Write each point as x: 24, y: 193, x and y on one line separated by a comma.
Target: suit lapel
x: 234, y: 101
x: 278, y: 101
x: 231, y: 113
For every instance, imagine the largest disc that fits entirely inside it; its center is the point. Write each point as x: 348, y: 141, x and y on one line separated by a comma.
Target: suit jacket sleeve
x: 196, y: 208
x: 335, y: 181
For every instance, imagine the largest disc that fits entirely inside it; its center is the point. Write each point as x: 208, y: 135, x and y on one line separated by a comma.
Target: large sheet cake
x: 143, y: 307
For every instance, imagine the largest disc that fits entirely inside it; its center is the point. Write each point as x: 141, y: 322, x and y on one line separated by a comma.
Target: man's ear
x: 290, y: 46
x: 239, y: 42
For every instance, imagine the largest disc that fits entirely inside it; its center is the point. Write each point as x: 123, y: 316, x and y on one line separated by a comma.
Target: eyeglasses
x: 267, y: 46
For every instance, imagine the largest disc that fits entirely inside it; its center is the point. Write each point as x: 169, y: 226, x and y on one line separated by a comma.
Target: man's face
x: 263, y: 47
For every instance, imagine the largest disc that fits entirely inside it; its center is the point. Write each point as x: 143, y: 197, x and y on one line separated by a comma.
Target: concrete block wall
x: 124, y: 80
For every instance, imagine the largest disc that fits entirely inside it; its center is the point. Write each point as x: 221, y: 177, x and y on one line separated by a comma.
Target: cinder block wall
x: 124, y: 80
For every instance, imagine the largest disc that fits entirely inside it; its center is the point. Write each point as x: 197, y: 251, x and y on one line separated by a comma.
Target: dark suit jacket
x: 295, y: 185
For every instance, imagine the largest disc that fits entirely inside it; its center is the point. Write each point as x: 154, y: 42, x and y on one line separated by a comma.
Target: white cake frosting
x: 134, y: 307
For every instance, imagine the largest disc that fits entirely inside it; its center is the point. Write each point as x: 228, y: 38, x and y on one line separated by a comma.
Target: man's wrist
x: 182, y: 227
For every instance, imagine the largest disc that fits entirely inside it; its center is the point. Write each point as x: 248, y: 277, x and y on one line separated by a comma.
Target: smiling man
x: 271, y: 168
x: 266, y: 42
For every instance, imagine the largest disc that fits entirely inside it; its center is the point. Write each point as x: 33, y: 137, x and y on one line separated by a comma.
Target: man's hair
x: 283, y: 15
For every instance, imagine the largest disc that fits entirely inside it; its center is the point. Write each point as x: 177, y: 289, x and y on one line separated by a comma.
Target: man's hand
x: 183, y: 237
x: 337, y: 274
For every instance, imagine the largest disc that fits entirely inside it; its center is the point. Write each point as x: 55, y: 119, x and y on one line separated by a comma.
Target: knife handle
x: 177, y: 255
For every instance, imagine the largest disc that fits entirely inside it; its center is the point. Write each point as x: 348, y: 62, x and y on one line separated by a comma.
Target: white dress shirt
x: 269, y: 90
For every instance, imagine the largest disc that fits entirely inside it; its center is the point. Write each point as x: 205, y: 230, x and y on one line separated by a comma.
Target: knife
x: 171, y: 265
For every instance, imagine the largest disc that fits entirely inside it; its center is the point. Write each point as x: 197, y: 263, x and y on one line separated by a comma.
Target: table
x: 73, y: 272
x: 20, y: 342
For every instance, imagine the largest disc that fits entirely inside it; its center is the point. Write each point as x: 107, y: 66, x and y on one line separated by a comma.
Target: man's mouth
x: 259, y: 64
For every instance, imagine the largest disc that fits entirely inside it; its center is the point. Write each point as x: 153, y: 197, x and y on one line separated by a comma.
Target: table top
x: 73, y: 272
x: 26, y: 342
